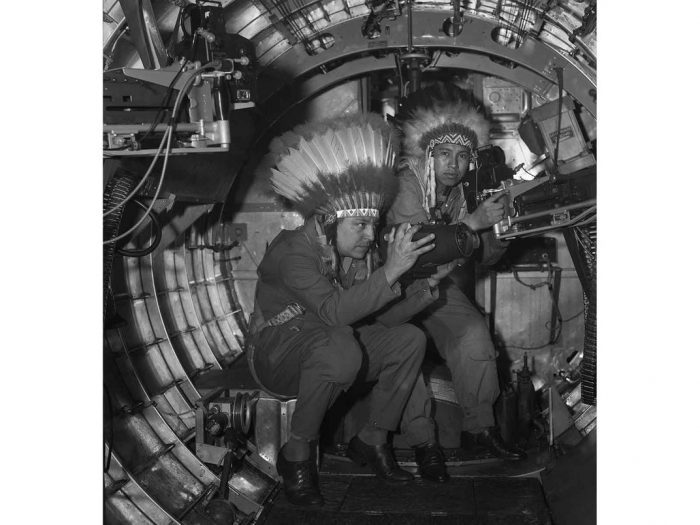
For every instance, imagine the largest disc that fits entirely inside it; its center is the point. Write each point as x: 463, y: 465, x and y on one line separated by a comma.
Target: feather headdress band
x: 439, y: 115
x: 337, y: 168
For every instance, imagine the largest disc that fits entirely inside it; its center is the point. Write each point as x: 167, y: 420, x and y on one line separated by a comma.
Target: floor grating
x: 359, y: 500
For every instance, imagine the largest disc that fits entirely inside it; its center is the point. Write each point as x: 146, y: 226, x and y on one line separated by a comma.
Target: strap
x: 290, y: 312
x: 250, y: 354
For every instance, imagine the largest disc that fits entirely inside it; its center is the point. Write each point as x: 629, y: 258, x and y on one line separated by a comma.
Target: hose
x: 158, y: 234
x: 117, y: 188
x: 167, y: 136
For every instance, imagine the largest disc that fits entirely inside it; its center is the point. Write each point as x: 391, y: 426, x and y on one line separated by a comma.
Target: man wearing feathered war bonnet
x: 442, y: 128
x: 324, y: 313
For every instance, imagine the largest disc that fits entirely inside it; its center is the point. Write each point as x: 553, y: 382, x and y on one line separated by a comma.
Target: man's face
x: 354, y: 236
x: 451, y: 163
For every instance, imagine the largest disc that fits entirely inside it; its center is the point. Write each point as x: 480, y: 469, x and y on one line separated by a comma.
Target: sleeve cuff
x: 425, y: 290
x: 389, y: 291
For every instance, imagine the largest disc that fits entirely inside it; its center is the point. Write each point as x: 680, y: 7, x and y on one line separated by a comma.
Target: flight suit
x: 350, y: 329
x: 458, y: 329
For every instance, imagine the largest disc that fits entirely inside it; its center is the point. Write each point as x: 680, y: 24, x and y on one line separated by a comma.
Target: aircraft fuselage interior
x: 194, y: 91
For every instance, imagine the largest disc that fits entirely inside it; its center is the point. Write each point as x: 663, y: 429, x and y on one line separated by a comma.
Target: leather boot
x: 491, y: 439
x: 379, y: 458
x: 431, y: 463
x: 300, y: 480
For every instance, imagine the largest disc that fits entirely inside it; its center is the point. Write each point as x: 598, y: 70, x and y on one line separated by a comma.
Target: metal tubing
x: 555, y: 309
x: 576, y: 206
x: 136, y: 128
x: 144, y: 31
x: 409, y: 6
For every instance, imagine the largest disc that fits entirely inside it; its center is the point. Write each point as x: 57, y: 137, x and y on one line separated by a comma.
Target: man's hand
x: 402, y: 252
x: 488, y: 213
x: 442, y: 271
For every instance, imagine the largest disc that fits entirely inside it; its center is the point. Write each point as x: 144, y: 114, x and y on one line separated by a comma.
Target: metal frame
x: 143, y: 28
x: 534, y: 63
x: 475, y: 38
x: 155, y: 386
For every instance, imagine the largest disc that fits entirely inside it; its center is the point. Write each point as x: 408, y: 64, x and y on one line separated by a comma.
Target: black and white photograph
x: 346, y: 263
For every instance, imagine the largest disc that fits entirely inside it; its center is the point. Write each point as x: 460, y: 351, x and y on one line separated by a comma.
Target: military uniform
x: 458, y: 329
x: 350, y: 329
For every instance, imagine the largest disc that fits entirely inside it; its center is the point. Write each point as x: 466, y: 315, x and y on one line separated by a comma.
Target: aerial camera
x: 452, y: 241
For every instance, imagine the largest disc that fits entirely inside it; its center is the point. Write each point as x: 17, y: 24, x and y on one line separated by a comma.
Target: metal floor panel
x: 465, y: 501
x: 473, y: 463
x: 570, y: 487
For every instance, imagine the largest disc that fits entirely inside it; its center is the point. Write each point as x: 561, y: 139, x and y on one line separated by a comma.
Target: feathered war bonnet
x: 439, y: 114
x: 336, y: 168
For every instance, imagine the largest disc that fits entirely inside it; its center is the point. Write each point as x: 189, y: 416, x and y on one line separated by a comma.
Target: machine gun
x: 561, y: 196
x: 546, y: 203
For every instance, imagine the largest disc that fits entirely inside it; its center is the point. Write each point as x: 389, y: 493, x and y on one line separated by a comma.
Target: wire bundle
x: 166, y: 142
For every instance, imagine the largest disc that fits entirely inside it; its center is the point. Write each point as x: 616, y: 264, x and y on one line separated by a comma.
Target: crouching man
x: 441, y: 132
x: 325, y: 316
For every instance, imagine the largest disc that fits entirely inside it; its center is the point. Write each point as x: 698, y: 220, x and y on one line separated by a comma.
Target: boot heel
x: 357, y: 457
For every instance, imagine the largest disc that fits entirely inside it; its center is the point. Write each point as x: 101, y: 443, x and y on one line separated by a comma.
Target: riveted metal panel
x: 273, y: 420
x: 127, y: 502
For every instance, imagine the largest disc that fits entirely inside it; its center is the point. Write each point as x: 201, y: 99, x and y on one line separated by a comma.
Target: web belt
x: 290, y: 312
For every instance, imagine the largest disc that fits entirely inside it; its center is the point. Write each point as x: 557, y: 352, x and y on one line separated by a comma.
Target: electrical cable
x: 533, y: 175
x: 143, y: 179
x: 158, y: 236
x: 155, y: 195
x: 169, y: 133
x: 534, y: 286
x: 119, y: 31
x: 398, y: 68
x: 163, y: 105
x: 185, y: 88
x: 555, y: 305
x: 572, y: 317
x: 165, y: 102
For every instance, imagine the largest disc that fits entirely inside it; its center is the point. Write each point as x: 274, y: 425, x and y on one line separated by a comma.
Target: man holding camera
x: 440, y: 139
x: 324, y: 316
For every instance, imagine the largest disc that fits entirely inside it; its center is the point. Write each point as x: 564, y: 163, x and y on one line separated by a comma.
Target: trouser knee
x: 477, y: 349
x: 410, y: 341
x: 339, y: 359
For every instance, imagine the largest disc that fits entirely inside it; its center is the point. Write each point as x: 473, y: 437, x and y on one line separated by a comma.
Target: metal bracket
x: 143, y: 28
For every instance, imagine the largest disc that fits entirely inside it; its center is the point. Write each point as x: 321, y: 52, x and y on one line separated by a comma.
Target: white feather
x: 359, y: 143
x: 325, y: 145
x: 368, y: 139
x: 339, y: 152
x: 348, y: 143
x: 311, y: 153
x: 296, y: 164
